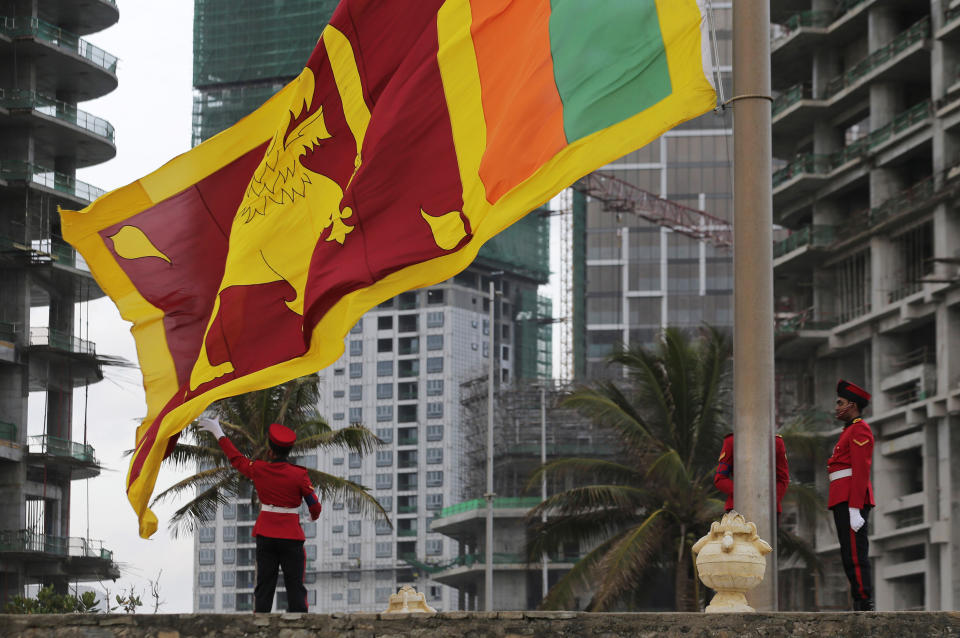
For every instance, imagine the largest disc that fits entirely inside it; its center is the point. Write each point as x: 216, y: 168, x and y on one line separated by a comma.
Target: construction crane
x: 621, y: 196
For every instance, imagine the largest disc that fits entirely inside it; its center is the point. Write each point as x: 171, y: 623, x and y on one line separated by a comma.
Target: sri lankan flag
x: 417, y: 131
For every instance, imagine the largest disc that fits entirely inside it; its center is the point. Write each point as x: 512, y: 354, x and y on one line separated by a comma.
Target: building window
x: 382, y: 526
x: 206, y: 579
x: 336, y: 551
x: 356, y: 392
x: 435, y: 478
x: 228, y: 578
x: 383, y: 593
x: 408, y: 345
x: 407, y: 413
x: 434, y: 342
x: 384, y: 481
x: 353, y: 506
x: 385, y: 390
x: 208, y: 534
x: 407, y: 391
x: 486, y: 349
x: 245, y: 557
x: 356, y: 370
x: 385, y: 345
x: 434, y: 455
x: 386, y: 502
x: 353, y: 550
x: 336, y: 596
x: 355, y: 478
x: 356, y: 347
x: 229, y: 601
x: 408, y: 323
x: 384, y: 550
x: 407, y: 300
x: 228, y: 556
x: 434, y: 387
x: 229, y: 511
x: 310, y: 551
x: 434, y: 546
x: 338, y: 505
x: 353, y: 596
x: 207, y: 556
x: 486, y: 326
x: 354, y: 577
x: 385, y: 322
x: 385, y: 434
x: 434, y: 501
x: 357, y: 327
x: 309, y: 529
x: 205, y: 601
x: 338, y: 394
x: 434, y: 364
x: 434, y: 432
x: 355, y: 460
x: 408, y: 367
x: 384, y: 458
x: 338, y: 460
x: 339, y: 416
x: 435, y: 319
x: 229, y: 533
x: 435, y: 296
x: 356, y: 415
x: 338, y: 372
x: 386, y: 304
x: 336, y: 529
x: 385, y: 368
x: 384, y: 413
x: 434, y: 410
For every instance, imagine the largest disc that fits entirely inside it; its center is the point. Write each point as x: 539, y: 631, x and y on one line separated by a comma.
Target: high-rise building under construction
x: 46, y: 69
x: 404, y: 363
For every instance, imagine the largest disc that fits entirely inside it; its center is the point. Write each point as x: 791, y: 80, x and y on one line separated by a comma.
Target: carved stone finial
x: 731, y: 560
x: 407, y: 601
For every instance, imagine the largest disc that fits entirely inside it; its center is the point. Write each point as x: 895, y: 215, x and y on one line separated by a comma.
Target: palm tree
x: 641, y: 514
x: 245, y: 419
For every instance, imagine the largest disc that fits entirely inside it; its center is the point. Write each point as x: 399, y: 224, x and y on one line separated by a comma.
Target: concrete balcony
x: 799, y: 334
x: 802, y: 249
x: 77, y: 459
x: 63, y: 60
x: 77, y: 558
x: 57, y: 128
x: 71, y: 190
x: 83, y: 16
x: 896, y: 61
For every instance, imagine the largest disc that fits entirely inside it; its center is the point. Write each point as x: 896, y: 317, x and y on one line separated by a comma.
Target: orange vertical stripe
x: 521, y: 106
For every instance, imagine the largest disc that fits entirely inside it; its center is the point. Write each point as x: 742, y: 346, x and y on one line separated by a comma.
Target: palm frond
x: 355, y: 438
x: 792, y: 546
x: 334, y: 488
x: 669, y: 469
x: 628, y: 559
x: 585, y: 529
x: 608, y: 406
x: 200, y: 509
x: 580, y: 577
x: 591, y: 498
x: 212, y: 476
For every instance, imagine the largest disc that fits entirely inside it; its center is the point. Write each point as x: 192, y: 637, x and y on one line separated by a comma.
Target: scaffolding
x: 244, y: 52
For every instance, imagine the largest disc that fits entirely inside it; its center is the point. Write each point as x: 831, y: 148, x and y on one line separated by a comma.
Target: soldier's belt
x: 276, y: 509
x: 839, y: 474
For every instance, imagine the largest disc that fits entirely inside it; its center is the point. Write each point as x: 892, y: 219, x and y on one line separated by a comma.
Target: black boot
x: 863, y: 605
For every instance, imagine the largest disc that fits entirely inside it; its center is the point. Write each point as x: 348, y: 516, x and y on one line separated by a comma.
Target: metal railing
x: 16, y: 170
x: 406, y: 532
x: 789, y: 97
x: 912, y: 196
x: 922, y: 355
x: 55, y: 446
x: 8, y: 331
x: 8, y: 431
x: 806, y: 236
x: 803, y: 19
x: 805, y: 164
x: 804, y: 320
x: 524, y: 502
x: 918, y: 31
x: 23, y: 99
x: 914, y: 115
x: 61, y: 341
x: 24, y: 540
x: 36, y: 28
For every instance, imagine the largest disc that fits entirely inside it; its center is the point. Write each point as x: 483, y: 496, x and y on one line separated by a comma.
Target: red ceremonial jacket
x: 723, y: 479
x: 854, y: 451
x: 280, y: 484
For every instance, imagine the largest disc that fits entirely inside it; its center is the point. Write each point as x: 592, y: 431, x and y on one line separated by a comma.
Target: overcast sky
x: 151, y: 112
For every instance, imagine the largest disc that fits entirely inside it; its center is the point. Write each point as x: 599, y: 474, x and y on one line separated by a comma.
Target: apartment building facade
x: 47, y: 68
x: 866, y: 128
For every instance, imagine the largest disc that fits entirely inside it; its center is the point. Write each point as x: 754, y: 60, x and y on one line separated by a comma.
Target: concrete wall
x: 484, y: 625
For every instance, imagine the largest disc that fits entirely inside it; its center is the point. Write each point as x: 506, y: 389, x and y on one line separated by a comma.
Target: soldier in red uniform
x: 851, y: 493
x: 723, y: 479
x: 280, y: 487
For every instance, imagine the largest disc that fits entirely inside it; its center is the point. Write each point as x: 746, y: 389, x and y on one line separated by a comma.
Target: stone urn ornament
x: 407, y: 601
x: 731, y: 560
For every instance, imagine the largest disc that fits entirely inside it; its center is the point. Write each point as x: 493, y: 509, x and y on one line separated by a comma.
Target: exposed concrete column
x: 948, y: 348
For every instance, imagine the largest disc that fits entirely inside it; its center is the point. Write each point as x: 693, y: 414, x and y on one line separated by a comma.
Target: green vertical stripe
x: 609, y: 61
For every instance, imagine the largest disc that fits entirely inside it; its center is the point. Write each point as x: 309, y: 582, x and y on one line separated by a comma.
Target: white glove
x: 212, y: 426
x: 856, y: 520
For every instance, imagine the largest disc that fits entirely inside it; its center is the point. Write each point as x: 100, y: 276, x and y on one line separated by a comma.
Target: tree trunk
x: 684, y: 598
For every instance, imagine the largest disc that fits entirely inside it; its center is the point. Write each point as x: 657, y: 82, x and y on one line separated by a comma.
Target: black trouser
x: 854, y: 548
x: 288, y: 555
